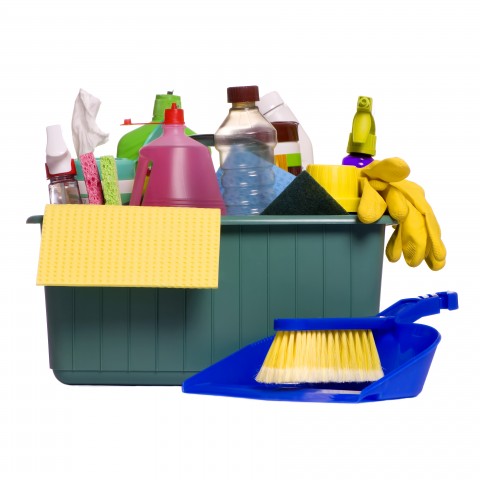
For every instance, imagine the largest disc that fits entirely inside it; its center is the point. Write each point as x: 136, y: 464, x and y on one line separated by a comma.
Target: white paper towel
x: 85, y: 131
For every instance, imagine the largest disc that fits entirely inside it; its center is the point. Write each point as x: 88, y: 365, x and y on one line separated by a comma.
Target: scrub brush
x: 310, y: 352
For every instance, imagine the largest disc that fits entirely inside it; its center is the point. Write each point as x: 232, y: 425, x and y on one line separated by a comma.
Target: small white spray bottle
x: 60, y: 168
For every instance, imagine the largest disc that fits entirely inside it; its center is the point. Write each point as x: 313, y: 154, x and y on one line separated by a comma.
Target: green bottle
x: 130, y: 144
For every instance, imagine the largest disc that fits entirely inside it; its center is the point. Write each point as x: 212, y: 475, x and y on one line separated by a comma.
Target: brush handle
x: 337, y: 323
x: 404, y: 311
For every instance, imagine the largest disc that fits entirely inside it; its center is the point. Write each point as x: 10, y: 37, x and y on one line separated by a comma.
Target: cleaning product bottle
x: 60, y: 168
x: 181, y: 170
x: 245, y: 141
x: 362, y: 140
x: 287, y: 152
x: 130, y: 144
x: 273, y: 108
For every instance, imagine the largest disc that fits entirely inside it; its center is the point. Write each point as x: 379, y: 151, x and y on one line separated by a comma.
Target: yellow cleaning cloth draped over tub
x: 126, y: 246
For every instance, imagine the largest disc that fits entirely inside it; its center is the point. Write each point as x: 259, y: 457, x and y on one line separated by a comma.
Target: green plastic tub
x: 305, y: 266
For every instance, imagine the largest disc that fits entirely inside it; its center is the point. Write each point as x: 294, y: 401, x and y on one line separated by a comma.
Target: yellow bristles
x: 330, y: 356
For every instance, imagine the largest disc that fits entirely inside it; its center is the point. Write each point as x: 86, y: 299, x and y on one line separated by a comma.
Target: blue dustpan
x: 406, y: 351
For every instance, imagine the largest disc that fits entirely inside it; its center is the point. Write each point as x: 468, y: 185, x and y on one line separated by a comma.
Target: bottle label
x: 288, y: 160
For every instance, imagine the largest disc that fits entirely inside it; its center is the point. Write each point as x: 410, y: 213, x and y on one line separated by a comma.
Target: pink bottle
x: 181, y: 170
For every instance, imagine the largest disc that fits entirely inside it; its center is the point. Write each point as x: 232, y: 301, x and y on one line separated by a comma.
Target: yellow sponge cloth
x: 126, y: 246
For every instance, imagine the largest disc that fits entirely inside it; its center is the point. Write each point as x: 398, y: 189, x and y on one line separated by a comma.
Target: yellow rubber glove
x: 417, y: 234
x: 420, y: 231
x: 375, y: 180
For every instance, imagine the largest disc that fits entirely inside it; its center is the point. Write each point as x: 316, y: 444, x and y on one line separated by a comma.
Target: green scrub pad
x: 111, y: 189
x: 304, y: 196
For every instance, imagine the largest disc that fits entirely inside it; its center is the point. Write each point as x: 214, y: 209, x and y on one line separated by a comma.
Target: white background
x: 418, y: 60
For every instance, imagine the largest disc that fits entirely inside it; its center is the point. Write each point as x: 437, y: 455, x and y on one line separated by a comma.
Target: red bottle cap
x: 73, y: 171
x: 174, y: 116
x: 242, y: 94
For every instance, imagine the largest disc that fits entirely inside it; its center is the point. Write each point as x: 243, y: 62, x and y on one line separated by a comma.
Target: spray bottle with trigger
x: 362, y: 140
x: 60, y: 169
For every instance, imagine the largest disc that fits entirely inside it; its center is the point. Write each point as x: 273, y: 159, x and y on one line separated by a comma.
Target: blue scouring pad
x: 304, y: 196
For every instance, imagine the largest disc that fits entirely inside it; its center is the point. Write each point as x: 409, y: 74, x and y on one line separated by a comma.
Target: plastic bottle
x: 362, y: 140
x: 273, y: 108
x: 131, y: 143
x: 287, y: 152
x: 181, y: 170
x: 60, y: 168
x: 246, y: 141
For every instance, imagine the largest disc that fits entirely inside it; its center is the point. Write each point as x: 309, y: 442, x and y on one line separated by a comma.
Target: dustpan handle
x: 411, y: 309
x: 404, y: 311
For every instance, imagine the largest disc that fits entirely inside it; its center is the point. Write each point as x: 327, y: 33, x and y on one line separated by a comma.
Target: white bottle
x: 60, y: 168
x: 273, y: 108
